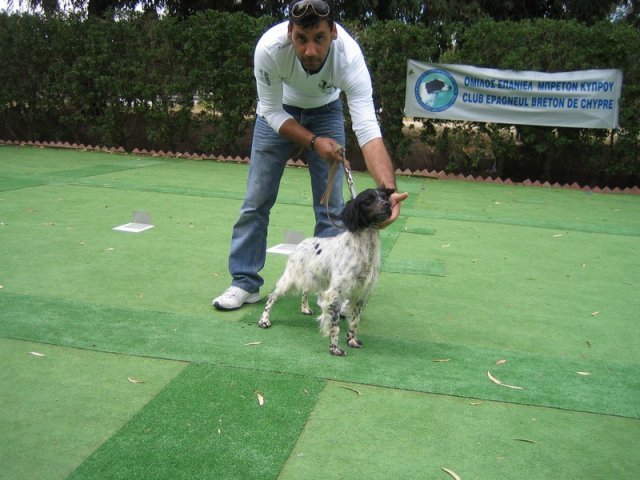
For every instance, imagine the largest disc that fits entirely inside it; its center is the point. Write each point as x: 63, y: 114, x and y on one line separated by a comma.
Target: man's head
x: 311, y: 31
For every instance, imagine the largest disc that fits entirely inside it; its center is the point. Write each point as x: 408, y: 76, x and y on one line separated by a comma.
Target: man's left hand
x: 395, y: 200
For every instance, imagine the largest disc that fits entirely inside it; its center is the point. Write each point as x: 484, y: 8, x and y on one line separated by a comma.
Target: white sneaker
x: 233, y: 298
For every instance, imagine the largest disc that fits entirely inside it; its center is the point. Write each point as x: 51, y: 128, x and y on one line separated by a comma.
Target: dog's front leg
x: 333, y: 311
x: 354, y: 319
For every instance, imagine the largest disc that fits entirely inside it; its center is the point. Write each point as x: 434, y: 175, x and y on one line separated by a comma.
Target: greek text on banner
x: 581, y: 99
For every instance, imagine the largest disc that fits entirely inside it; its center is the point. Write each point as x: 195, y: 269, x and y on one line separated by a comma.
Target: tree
x: 429, y: 12
x: 587, y: 11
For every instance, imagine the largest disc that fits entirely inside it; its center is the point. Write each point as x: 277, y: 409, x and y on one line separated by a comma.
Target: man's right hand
x: 328, y: 149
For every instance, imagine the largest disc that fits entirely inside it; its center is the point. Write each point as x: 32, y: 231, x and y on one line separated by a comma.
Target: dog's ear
x: 352, y: 215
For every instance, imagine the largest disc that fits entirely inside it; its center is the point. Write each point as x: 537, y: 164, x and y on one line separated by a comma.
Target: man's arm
x: 380, y: 167
x: 379, y: 163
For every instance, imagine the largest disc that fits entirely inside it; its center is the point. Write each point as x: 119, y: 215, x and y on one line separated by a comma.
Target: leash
x: 347, y: 172
x: 332, y: 174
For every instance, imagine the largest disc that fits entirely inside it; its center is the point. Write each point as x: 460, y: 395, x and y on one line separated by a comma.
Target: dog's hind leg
x: 353, y: 317
x: 282, y: 287
x: 264, y: 321
x: 304, y: 305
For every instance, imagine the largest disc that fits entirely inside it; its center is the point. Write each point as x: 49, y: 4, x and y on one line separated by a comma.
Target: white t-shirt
x: 281, y: 79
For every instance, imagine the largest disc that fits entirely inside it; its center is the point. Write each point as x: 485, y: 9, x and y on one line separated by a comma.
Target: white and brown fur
x: 340, y: 270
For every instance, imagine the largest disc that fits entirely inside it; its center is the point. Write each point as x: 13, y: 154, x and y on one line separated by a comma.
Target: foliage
x: 187, y: 84
x: 218, y: 59
x: 103, y: 82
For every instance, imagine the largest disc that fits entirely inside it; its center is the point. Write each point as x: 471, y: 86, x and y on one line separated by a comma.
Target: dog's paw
x: 337, y: 351
x: 354, y: 342
x: 264, y: 322
x: 306, y: 310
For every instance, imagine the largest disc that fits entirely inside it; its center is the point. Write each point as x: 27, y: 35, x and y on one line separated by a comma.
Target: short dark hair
x: 311, y: 18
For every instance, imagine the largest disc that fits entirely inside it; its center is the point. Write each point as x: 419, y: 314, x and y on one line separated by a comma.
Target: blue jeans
x: 269, y: 155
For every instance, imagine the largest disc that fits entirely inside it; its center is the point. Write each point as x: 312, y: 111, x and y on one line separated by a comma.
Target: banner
x: 582, y: 99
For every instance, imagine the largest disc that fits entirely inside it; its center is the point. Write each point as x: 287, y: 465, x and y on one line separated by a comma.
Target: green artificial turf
x: 572, y: 210
x: 359, y: 431
x: 516, y: 288
x: 537, y: 286
x: 59, y: 404
x: 209, y: 423
x: 24, y: 167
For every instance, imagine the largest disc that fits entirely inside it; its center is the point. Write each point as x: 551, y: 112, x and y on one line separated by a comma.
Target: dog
x: 430, y: 91
x: 341, y: 270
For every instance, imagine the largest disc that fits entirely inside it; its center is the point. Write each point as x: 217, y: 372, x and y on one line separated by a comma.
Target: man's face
x: 312, y: 43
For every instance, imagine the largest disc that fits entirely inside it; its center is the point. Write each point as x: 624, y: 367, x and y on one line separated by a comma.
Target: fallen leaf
x: 446, y: 245
x: 37, y: 354
x: 475, y: 404
x: 501, y: 362
x: 252, y: 343
x: 134, y: 380
x: 452, y: 473
x: 595, y: 314
x: 525, y: 440
x: 584, y: 374
x: 108, y: 249
x: 349, y: 388
x: 558, y: 235
x: 441, y: 360
x: 498, y: 382
x: 1, y: 286
x: 81, y: 242
x: 588, y: 344
x: 260, y: 399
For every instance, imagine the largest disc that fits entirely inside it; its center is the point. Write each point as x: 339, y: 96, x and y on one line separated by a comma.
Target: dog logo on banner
x: 436, y: 90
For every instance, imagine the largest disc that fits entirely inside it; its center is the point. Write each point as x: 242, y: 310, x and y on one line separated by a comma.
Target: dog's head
x: 371, y: 207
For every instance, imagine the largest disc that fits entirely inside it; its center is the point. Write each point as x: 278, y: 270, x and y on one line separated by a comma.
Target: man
x: 300, y: 68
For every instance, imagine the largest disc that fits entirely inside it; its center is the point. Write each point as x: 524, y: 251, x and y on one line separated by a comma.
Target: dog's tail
x: 325, y: 325
x: 325, y: 318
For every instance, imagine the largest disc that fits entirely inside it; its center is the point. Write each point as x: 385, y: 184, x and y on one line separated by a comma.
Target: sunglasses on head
x: 301, y: 8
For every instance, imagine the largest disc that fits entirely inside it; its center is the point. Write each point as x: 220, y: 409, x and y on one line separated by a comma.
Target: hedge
x: 130, y: 83
x: 188, y: 85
